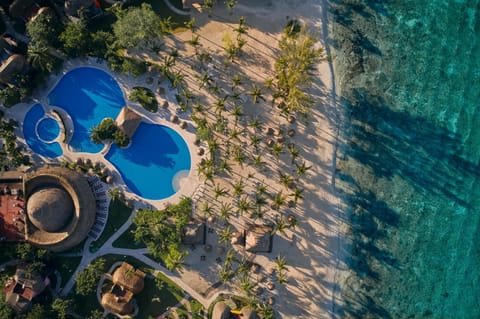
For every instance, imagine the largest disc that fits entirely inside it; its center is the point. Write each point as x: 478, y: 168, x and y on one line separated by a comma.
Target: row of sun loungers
x: 102, y: 201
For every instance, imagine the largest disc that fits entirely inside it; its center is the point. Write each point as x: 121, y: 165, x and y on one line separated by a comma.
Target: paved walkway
x: 175, y: 9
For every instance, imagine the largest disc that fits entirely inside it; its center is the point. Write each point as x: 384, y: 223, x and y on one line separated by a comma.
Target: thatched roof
x: 249, y: 313
x: 50, y: 209
x: 116, y: 304
x: 128, y: 121
x: 72, y: 6
x: 10, y: 67
x: 194, y: 233
x: 17, y: 302
x: 20, y: 291
x: 84, y: 208
x: 34, y: 281
x: 221, y: 311
x: 129, y: 278
x: 258, y: 238
x: 18, y: 7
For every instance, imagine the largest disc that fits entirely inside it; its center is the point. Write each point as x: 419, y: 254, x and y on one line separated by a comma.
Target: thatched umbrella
x: 184, y: 124
x: 270, y: 142
x: 165, y: 105
x: 79, y: 161
x: 174, y: 118
x: 87, y: 161
x: 291, y: 119
x: 269, y: 131
x: 200, y: 151
x: 270, y: 286
x: 128, y: 277
x: 291, y: 132
x: 271, y: 301
x: 104, y: 171
x: 109, y: 179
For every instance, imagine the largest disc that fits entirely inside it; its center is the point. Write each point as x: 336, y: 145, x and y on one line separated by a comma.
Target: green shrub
x: 145, y: 97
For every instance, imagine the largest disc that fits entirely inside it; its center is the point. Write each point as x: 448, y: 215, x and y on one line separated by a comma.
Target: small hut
x: 22, y: 288
x: 258, y: 238
x: 221, y: 311
x: 128, y: 121
x: 129, y: 278
x: 194, y: 233
x: 121, y: 305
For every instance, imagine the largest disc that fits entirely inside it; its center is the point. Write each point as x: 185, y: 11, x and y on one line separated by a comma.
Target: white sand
x: 312, y: 248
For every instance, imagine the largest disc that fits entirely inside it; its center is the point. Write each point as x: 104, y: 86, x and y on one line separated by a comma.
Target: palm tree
x: 281, y: 263
x: 279, y: 200
x: 255, y: 124
x: 219, y: 191
x: 277, y: 149
x: 205, y: 79
x: 258, y: 161
x: 225, y: 234
x: 225, y: 211
x: 243, y: 205
x: 247, y: 285
x: 242, y: 28
x: 294, y: 152
x: 297, y: 194
x: 206, y: 208
x: 174, y: 54
x: 224, y: 166
x: 302, y: 169
x: 255, y: 140
x: 40, y: 58
x: 195, y: 43
x: 225, y: 274
x: 260, y: 189
x: 280, y: 225
x: 239, y: 155
x: 286, y: 180
x: 219, y: 105
x: 237, y: 113
x: 191, y: 25
x: 175, y: 259
x: 236, y: 81
x: 282, y: 278
x: 238, y: 188
x: 230, y: 4
x: 256, y: 94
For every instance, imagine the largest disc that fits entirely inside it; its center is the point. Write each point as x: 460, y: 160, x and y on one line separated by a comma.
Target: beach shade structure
x: 270, y: 285
x: 221, y: 311
x: 184, y: 124
x: 200, y: 151
x: 194, y: 233
x: 165, y: 105
x: 104, y: 171
x: 128, y: 121
x: 269, y: 131
x: 174, y: 119
x: 270, y: 142
x: 238, y: 238
x: 271, y: 301
x: 79, y: 161
x: 87, y: 162
x: 109, y: 179
x: 161, y: 91
x: 291, y: 132
x: 291, y: 119
x: 211, y: 219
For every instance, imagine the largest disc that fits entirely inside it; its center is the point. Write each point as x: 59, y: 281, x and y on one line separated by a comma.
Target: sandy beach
x: 312, y: 248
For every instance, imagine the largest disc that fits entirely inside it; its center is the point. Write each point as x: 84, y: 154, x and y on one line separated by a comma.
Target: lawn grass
x: 118, y: 213
x: 145, y: 97
x: 126, y: 240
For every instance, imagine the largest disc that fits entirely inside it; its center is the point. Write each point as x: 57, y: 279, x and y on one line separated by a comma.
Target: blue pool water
x: 89, y: 95
x: 149, y: 166
x: 409, y: 169
x: 47, y: 128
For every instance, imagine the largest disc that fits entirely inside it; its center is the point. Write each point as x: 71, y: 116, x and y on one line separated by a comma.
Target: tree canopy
x: 137, y: 26
x: 88, y: 279
x: 44, y: 30
x: 107, y: 130
x: 75, y: 39
x: 161, y: 231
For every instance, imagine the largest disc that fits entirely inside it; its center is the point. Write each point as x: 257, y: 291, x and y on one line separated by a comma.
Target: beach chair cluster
x: 102, y: 202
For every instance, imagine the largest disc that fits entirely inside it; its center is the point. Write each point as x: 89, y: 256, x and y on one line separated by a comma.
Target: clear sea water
x: 408, y: 76
x: 156, y: 158
x: 89, y: 95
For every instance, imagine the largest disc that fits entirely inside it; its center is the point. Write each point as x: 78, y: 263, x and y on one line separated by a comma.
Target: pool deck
x: 161, y: 117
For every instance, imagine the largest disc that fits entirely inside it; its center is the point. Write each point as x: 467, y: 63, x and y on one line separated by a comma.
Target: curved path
x: 175, y: 9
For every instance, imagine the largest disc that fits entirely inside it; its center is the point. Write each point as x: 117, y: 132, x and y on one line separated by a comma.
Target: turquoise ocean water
x: 408, y: 76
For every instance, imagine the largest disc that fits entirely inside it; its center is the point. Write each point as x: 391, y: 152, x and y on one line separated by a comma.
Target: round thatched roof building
x: 60, y: 208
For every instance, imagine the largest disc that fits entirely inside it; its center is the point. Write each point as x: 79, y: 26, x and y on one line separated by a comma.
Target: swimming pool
x: 157, y: 157
x: 154, y: 164
x: 41, y: 131
x: 89, y: 95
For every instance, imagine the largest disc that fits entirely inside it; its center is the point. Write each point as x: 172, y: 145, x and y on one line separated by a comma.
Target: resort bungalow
x: 23, y: 288
x: 127, y: 282
x: 194, y: 233
x: 23, y: 9
x: 10, y: 67
x: 258, y: 239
